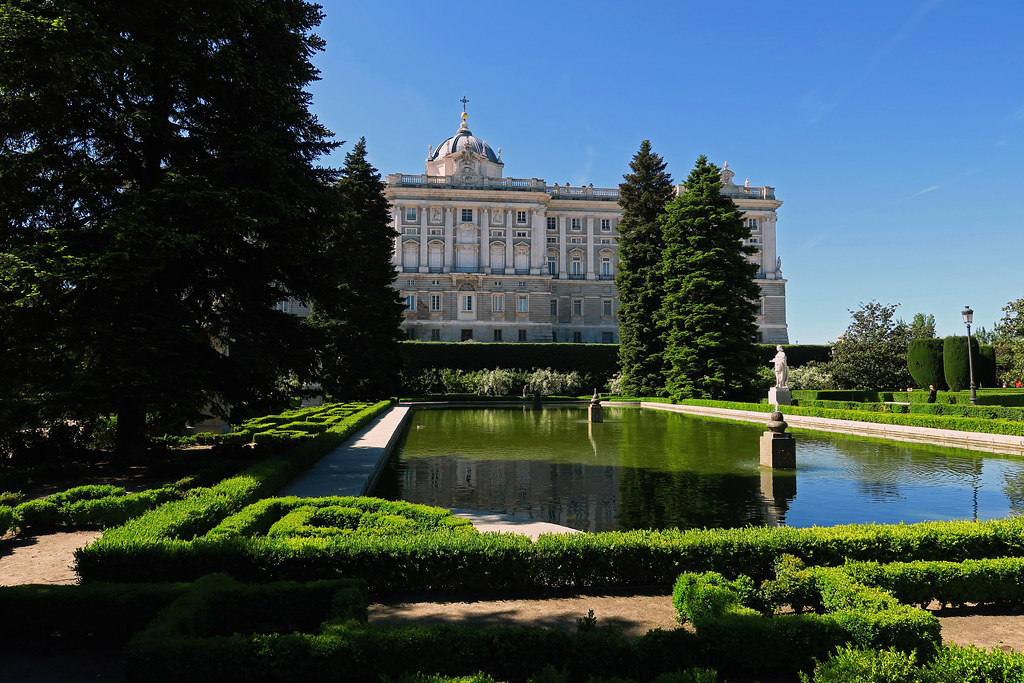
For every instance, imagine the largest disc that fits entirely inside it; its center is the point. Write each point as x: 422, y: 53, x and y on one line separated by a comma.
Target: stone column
x: 778, y: 449
x: 538, y: 242
x: 510, y: 260
x: 562, y: 266
x: 396, y: 257
x: 768, y: 252
x: 424, y: 232
x: 449, y: 239
x: 591, y: 250
x: 485, y: 250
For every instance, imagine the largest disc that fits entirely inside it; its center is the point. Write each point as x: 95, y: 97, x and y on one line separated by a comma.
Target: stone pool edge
x: 1004, y: 444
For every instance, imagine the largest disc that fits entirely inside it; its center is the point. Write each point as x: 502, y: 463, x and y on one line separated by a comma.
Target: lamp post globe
x: 968, y: 316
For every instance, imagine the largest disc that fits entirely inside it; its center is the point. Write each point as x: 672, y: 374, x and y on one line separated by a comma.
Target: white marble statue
x: 781, y: 368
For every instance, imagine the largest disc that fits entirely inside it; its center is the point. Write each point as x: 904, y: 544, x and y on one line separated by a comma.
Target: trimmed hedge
x: 727, y: 623
x: 924, y: 360
x: 601, y: 360
x: 955, y: 423
x: 443, y: 560
x: 596, y: 359
x: 7, y: 519
x: 949, y: 663
x: 106, y: 610
x: 962, y: 410
x: 221, y: 630
x: 91, y: 506
x: 955, y: 364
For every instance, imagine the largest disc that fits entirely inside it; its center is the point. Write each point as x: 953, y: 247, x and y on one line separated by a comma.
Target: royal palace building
x: 493, y: 259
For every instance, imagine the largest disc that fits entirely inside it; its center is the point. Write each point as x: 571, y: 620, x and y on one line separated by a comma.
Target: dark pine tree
x: 709, y: 307
x: 360, y: 317
x: 158, y: 198
x: 642, y: 197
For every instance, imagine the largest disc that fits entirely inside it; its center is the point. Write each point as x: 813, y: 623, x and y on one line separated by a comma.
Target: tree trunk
x: 130, y: 441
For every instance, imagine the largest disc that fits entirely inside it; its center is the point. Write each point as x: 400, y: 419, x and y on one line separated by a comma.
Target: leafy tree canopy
x: 1009, y: 342
x: 158, y: 198
x: 872, y: 353
x: 922, y: 326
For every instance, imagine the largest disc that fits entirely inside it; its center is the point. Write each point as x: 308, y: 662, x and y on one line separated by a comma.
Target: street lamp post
x: 968, y: 315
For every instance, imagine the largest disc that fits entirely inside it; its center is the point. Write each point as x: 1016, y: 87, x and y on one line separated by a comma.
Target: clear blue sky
x: 892, y: 131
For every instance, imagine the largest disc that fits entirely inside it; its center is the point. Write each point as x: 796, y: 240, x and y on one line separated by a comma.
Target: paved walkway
x: 975, y: 441
x: 353, y: 468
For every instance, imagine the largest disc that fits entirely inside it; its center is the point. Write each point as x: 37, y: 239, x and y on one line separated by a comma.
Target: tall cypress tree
x: 360, y: 317
x: 642, y: 197
x: 709, y: 309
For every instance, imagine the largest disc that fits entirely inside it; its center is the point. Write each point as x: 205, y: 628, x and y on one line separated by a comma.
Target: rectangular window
x: 522, y: 335
x: 552, y: 240
x: 435, y: 231
x: 467, y: 334
x: 606, y: 224
x: 467, y: 215
x: 521, y: 217
x: 552, y: 266
x: 606, y: 307
x: 577, y: 337
x: 522, y: 284
x: 498, y: 303
x: 577, y: 223
x: 606, y: 240
x: 554, y: 307
x: 577, y: 266
x: 523, y: 304
x: 410, y: 302
x: 522, y: 233
x: 435, y: 302
x: 435, y: 282
x: 606, y: 265
x: 497, y: 233
x: 497, y: 335
x: 575, y: 240
x: 410, y: 214
x: 607, y: 338
x: 283, y: 306
x: 467, y: 303
x: 577, y: 307
x: 552, y: 223
x: 435, y: 335
x: 412, y: 231
x: 752, y: 224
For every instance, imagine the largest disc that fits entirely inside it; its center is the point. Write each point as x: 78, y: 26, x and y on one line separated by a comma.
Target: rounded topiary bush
x: 924, y: 360
x: 955, y: 363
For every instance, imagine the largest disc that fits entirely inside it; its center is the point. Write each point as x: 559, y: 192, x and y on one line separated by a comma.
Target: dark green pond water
x: 650, y: 469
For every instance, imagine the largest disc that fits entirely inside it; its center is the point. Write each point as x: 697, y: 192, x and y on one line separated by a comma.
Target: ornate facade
x: 489, y: 258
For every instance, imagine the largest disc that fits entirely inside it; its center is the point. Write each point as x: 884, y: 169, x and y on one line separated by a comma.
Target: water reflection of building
x: 580, y: 496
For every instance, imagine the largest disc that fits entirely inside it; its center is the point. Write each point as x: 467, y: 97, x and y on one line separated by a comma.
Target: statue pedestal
x: 596, y: 412
x: 778, y: 451
x: 780, y: 397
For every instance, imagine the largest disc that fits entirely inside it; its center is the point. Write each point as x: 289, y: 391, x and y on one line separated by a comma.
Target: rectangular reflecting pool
x: 651, y: 469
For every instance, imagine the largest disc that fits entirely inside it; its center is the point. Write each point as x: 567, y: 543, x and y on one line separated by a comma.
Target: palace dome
x: 464, y: 139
